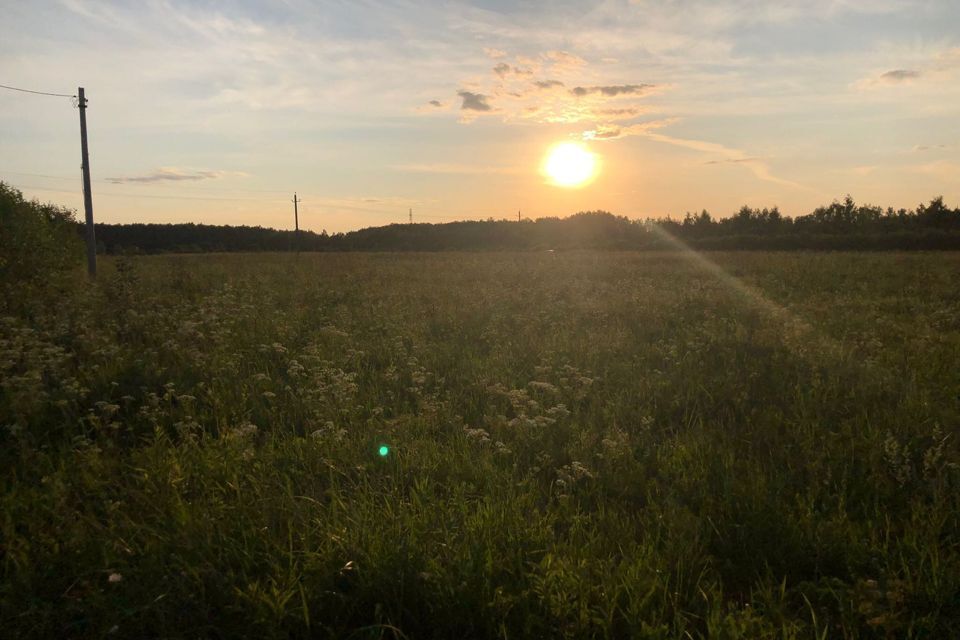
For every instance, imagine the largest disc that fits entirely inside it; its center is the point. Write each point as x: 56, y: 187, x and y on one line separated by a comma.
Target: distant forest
x: 840, y: 225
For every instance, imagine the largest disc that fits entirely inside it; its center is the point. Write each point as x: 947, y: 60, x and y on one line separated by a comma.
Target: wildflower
x: 480, y: 435
x: 544, y: 387
x: 246, y: 430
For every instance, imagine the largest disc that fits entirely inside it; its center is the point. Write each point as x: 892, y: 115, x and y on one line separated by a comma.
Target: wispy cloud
x: 614, y: 132
x: 945, y: 170
x: 564, y: 60
x: 727, y: 155
x: 899, y: 75
x: 173, y: 174
x: 930, y: 147
x: 454, y: 168
x: 941, y: 66
x: 735, y: 160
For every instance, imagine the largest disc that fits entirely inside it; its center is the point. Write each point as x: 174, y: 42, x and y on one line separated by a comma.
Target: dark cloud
x: 503, y: 69
x: 613, y: 90
x: 170, y: 175
x: 547, y: 84
x: 436, y: 103
x: 900, y: 75
x: 474, y: 101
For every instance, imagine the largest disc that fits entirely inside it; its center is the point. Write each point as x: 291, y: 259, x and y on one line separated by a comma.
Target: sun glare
x: 569, y: 164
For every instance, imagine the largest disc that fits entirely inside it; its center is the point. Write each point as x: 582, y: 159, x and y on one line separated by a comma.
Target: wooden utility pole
x: 87, y: 196
x: 518, y: 215
x: 411, y: 215
x: 296, y: 222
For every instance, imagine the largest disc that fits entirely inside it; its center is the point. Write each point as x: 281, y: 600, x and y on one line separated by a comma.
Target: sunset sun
x: 570, y: 164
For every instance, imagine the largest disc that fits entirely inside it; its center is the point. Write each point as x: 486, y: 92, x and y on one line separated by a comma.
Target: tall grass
x: 581, y: 445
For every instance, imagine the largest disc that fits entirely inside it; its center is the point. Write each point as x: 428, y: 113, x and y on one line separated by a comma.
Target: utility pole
x: 87, y: 196
x: 411, y: 215
x: 518, y: 215
x: 296, y: 222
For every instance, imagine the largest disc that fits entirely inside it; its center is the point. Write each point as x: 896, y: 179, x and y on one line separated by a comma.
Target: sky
x: 217, y: 112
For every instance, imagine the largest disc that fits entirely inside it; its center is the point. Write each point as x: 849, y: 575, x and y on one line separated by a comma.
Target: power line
x: 121, y: 183
x: 39, y: 93
x: 38, y: 175
x: 150, y: 195
x: 466, y: 216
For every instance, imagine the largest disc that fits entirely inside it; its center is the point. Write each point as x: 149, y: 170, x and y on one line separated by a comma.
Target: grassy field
x: 580, y: 445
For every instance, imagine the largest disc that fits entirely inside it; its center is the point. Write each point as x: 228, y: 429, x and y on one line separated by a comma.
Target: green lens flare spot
x: 383, y: 450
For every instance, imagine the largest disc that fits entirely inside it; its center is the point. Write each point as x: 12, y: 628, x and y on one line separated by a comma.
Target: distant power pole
x: 87, y: 196
x: 411, y: 216
x: 296, y: 221
x: 518, y: 215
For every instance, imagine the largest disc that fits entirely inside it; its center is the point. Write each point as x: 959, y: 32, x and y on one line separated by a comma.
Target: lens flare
x: 383, y: 450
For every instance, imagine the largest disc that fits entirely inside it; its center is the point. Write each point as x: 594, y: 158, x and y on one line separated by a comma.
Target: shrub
x: 37, y: 242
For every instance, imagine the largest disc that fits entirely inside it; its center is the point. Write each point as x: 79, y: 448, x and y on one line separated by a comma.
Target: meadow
x: 580, y: 444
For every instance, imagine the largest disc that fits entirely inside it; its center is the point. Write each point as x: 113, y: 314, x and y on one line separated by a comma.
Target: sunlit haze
x: 217, y: 112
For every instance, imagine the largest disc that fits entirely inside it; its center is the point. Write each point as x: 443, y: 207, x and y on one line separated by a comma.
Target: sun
x: 570, y: 164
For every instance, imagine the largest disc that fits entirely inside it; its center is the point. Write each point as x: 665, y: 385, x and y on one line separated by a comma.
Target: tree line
x: 842, y: 224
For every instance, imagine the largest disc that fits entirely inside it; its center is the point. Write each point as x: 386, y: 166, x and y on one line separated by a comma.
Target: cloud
x: 503, y: 70
x: 173, y: 174
x: 930, y: 147
x: 727, y: 155
x: 540, y: 88
x: 945, y: 170
x: 474, y: 101
x: 891, y: 78
x: 948, y: 60
x: 613, y: 90
x: 564, y: 60
x: 547, y: 84
x: 735, y: 160
x: 433, y: 106
x: 614, y: 132
x: 453, y: 168
x: 899, y: 75
x: 623, y: 113
x: 494, y: 53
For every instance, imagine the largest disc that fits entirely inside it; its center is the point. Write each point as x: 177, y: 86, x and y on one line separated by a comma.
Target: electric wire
x: 39, y: 93
x: 319, y: 200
